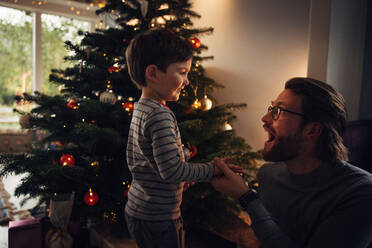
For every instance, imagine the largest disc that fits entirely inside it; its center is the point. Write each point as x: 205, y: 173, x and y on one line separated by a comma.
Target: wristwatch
x: 247, y: 198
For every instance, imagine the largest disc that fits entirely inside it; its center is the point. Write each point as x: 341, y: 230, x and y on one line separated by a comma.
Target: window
x: 56, y: 30
x: 21, y: 61
x: 15, y: 62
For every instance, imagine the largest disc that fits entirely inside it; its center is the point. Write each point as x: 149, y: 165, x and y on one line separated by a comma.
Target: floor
x: 9, y: 184
x: 238, y: 232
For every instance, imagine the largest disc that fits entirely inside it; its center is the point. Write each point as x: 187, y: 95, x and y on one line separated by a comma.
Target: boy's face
x: 167, y: 86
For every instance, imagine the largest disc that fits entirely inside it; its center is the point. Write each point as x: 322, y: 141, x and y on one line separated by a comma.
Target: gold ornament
x: 206, y: 104
x: 196, y: 104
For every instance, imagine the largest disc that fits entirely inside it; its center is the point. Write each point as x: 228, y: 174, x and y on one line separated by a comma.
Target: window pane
x: 15, y: 63
x: 55, y: 31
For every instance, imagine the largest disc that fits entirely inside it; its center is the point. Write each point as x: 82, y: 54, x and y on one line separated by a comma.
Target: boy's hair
x: 158, y: 47
x: 322, y: 103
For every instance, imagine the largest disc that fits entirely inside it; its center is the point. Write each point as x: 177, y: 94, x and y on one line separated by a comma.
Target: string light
x: 94, y: 163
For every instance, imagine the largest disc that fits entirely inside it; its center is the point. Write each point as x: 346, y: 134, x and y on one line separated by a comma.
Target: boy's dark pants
x: 157, y: 234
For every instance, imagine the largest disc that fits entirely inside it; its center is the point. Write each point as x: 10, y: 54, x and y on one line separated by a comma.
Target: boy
x: 158, y: 63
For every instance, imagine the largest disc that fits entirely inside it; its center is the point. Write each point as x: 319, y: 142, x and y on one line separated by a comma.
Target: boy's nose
x: 187, y: 82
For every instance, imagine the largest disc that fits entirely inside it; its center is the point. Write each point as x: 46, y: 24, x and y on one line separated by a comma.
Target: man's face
x: 284, y: 134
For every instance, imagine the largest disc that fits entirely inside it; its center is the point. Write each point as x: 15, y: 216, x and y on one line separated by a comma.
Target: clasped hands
x: 225, y: 178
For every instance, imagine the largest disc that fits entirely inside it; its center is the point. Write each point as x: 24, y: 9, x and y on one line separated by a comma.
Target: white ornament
x: 227, y: 126
x: 107, y: 97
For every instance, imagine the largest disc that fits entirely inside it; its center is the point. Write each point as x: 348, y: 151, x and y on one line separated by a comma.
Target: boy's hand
x: 187, y: 185
x: 229, y: 182
x: 219, y: 172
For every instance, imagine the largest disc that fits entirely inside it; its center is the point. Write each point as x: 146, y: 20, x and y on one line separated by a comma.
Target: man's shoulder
x: 346, y: 169
x: 270, y: 169
x: 270, y: 166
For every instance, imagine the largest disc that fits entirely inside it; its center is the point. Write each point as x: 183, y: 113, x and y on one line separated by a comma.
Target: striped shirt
x: 156, y: 160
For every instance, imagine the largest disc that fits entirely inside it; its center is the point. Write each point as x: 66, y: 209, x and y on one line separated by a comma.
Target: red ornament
x: 113, y: 69
x: 73, y: 104
x: 128, y: 106
x: 126, y: 192
x: 194, y: 151
x: 91, y: 197
x: 67, y: 160
x: 195, y: 42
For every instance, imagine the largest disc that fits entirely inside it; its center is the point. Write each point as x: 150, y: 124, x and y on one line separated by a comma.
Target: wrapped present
x: 60, y: 212
x: 25, y: 234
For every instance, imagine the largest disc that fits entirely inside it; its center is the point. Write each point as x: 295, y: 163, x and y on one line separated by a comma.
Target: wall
x: 257, y: 46
x: 365, y: 106
x: 346, y: 50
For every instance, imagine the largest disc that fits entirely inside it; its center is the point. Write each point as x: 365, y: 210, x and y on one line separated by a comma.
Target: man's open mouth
x: 270, y: 133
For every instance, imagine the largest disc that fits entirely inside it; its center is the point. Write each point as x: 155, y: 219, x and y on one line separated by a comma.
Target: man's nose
x: 267, y: 117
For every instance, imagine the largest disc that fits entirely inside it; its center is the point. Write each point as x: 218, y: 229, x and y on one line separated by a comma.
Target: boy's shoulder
x: 152, y: 108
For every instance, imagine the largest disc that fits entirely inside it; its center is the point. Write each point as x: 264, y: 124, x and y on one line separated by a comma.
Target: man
x: 308, y: 195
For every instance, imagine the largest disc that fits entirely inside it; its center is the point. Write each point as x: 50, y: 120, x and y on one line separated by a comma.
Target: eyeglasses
x: 275, y: 112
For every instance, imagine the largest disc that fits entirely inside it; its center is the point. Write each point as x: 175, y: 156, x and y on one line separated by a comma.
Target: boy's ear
x: 151, y: 72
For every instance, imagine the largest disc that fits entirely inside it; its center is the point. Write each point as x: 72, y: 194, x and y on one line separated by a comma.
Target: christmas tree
x: 86, y: 125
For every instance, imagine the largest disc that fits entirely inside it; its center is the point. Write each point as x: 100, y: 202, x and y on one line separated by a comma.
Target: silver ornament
x: 206, y: 104
x: 107, y: 97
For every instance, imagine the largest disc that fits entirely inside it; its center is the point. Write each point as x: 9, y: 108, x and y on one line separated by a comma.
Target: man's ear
x: 313, y: 129
x: 151, y: 72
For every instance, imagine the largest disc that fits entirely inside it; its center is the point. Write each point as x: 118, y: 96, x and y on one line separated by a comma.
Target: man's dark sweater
x: 329, y: 207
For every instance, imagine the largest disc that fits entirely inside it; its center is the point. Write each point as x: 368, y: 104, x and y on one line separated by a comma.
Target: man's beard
x: 284, y: 149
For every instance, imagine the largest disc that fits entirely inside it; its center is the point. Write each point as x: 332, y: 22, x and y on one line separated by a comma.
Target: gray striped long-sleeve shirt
x: 156, y: 160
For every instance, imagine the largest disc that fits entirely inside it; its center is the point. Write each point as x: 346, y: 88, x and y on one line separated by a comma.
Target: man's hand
x: 229, y: 182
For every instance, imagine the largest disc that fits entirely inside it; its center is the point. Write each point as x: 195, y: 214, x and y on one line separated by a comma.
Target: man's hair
x: 322, y: 103
x: 158, y: 47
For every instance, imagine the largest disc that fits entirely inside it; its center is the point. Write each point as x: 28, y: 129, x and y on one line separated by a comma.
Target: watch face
x: 245, y: 199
